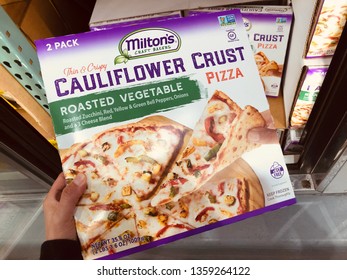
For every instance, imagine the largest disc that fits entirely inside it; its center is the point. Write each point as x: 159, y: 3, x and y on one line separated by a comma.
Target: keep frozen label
x: 92, y: 110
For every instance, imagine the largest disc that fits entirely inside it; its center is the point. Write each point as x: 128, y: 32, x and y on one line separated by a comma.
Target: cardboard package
x: 308, y: 89
x: 326, y: 28
x: 158, y: 121
x: 268, y: 29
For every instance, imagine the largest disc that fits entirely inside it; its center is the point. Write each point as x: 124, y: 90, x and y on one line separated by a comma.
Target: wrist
x: 59, y: 234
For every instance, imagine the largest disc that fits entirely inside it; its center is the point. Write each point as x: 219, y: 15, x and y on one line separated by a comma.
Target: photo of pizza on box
x: 150, y: 179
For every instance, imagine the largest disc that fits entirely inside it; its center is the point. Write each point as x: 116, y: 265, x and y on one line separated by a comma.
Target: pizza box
x: 326, y: 28
x: 292, y: 141
x: 277, y: 111
x: 109, y: 11
x: 148, y: 18
x: 268, y: 29
x: 311, y: 80
x: 173, y: 134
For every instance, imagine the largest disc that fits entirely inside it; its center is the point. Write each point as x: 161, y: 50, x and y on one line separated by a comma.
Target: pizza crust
x: 65, y: 153
x: 251, y: 190
x: 232, y: 105
x: 236, y: 144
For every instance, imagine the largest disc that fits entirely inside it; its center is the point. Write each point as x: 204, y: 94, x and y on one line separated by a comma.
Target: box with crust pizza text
x: 170, y: 124
x: 268, y: 29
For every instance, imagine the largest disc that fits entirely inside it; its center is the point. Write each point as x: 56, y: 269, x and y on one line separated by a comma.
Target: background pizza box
x: 268, y: 28
x: 107, y: 11
x: 97, y: 81
x: 292, y: 142
x: 309, y: 85
x: 148, y: 18
x: 326, y: 28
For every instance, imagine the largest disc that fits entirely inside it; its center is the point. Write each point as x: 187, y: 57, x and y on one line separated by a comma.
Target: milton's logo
x: 147, y: 42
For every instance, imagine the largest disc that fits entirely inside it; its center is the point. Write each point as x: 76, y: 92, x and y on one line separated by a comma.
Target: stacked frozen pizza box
x: 150, y: 18
x: 268, y: 29
x: 159, y: 117
x: 326, y: 27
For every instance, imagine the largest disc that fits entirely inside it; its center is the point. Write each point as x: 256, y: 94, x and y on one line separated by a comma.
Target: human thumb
x: 262, y: 135
x: 72, y: 193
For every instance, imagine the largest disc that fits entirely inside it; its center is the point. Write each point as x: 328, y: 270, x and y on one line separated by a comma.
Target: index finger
x: 57, y: 187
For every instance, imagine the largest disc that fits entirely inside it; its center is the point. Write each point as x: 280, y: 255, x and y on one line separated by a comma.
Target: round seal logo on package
x: 276, y: 170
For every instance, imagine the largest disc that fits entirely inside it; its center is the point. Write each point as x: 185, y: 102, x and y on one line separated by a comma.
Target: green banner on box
x: 119, y: 105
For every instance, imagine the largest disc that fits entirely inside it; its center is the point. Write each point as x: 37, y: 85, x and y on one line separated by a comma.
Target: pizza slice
x: 100, y: 171
x: 105, y: 228
x: 237, y: 143
x: 219, y: 138
x: 141, y: 152
x: 265, y: 66
x: 217, y: 202
x: 201, y: 151
x: 153, y: 224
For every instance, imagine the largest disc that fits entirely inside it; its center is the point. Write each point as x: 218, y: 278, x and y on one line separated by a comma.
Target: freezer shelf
x: 21, y: 197
x: 314, y: 228
x: 16, y: 183
x: 17, y: 213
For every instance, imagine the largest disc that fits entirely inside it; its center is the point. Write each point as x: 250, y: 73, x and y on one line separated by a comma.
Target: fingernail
x: 79, y: 179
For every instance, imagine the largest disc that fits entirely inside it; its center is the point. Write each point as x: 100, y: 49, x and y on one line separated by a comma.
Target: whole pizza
x: 152, y: 179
